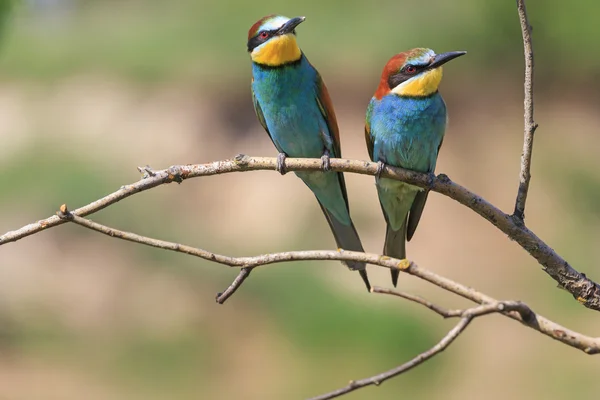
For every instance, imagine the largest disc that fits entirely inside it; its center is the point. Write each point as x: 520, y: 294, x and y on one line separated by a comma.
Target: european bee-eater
x: 293, y: 105
x: 405, y: 126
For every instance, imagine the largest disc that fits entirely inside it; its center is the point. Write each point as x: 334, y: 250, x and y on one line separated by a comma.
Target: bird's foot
x: 380, y: 168
x: 280, y: 167
x: 326, y: 161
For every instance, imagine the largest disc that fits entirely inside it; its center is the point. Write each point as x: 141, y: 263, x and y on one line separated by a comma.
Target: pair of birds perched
x: 405, y: 125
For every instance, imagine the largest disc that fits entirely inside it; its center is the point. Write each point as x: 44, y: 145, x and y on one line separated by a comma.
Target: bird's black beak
x: 289, y: 26
x: 443, y: 58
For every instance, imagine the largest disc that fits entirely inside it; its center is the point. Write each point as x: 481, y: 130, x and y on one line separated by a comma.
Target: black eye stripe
x: 402, y: 76
x: 257, y: 40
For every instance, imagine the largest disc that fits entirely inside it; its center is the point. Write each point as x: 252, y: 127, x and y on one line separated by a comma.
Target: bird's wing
x: 326, y: 108
x: 368, y: 136
x: 416, y: 210
x: 259, y: 114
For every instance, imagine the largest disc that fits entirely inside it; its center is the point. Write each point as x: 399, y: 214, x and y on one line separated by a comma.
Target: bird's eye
x: 264, y: 35
x: 410, y: 69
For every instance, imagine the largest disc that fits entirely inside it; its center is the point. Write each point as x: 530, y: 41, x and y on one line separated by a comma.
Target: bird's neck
x: 277, y: 52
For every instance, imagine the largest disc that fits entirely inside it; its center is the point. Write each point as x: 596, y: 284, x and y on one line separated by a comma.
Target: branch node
x: 147, y: 172
x: 64, y: 213
x: 175, y: 174
x: 443, y: 178
x: 404, y: 265
x: 241, y: 159
x: 518, y: 218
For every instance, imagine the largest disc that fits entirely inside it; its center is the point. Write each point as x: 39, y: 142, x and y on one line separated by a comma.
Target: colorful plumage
x: 293, y: 105
x: 405, y: 126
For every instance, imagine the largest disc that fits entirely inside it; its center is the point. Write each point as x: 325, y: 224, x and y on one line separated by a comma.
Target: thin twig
x: 516, y: 311
x: 508, y: 306
x: 444, y: 312
x: 235, y: 285
x: 580, y: 286
x: 467, y: 316
x: 379, y: 379
x: 530, y: 125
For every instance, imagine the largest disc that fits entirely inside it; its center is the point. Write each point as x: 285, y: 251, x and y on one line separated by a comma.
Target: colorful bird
x: 405, y: 126
x: 293, y: 105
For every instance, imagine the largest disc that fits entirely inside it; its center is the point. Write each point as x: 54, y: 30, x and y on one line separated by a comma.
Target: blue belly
x: 408, y: 132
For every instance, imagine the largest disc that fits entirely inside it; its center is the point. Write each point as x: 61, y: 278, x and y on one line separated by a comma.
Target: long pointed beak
x: 289, y: 26
x: 443, y: 58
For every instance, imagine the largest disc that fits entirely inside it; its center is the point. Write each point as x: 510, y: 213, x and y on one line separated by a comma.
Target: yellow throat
x: 277, y: 51
x: 421, y: 85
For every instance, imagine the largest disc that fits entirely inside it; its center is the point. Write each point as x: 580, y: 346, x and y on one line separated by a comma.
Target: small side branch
x: 235, y: 285
x: 530, y: 125
x: 444, y: 312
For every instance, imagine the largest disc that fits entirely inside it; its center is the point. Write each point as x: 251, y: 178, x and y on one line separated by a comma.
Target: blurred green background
x: 91, y: 89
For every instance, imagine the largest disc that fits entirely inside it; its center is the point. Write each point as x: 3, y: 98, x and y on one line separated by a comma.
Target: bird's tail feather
x: 395, y: 246
x: 347, y: 238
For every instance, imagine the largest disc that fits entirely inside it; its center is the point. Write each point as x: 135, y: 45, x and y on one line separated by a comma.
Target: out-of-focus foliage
x: 155, y: 40
x: 5, y: 7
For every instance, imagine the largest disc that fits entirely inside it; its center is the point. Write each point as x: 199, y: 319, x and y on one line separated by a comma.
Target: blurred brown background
x: 91, y: 89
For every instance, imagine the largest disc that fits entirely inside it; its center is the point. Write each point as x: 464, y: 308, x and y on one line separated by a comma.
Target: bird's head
x: 414, y: 73
x: 272, y: 40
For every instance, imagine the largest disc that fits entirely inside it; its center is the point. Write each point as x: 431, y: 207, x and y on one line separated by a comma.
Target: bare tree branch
x: 530, y: 125
x: 466, y: 317
x: 519, y: 313
x: 580, y: 286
